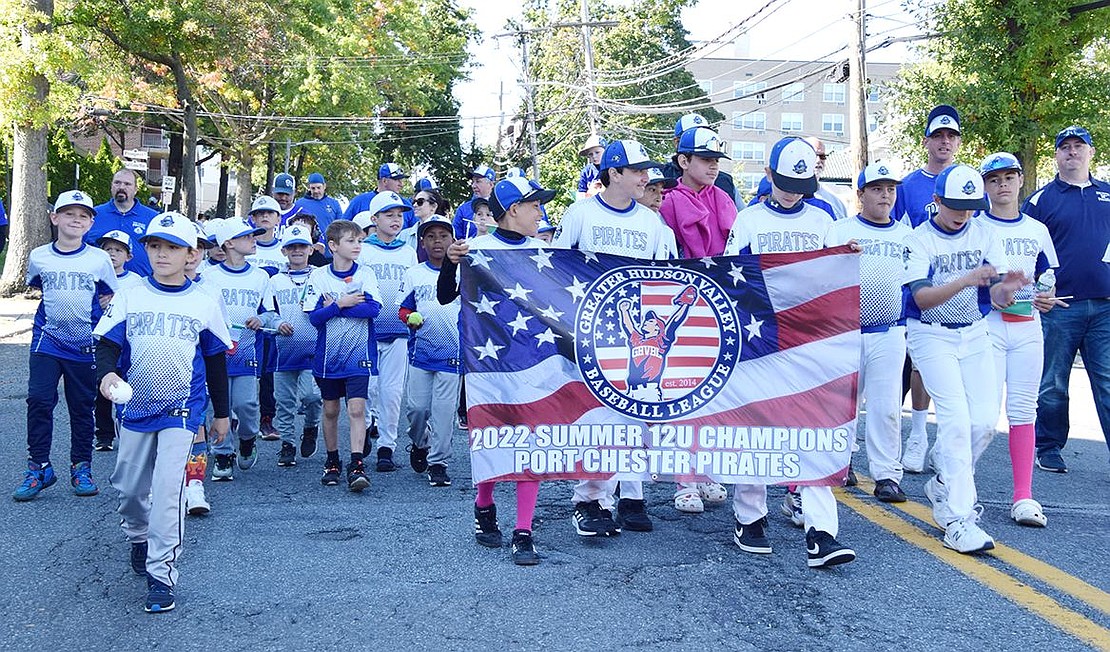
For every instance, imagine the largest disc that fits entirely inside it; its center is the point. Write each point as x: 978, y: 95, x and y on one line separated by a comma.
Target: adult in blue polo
x: 1075, y: 207
x: 482, y: 179
x: 390, y: 179
x: 123, y: 213
x: 325, y: 208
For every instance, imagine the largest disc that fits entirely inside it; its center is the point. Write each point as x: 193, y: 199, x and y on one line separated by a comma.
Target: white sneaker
x: 937, y: 493
x: 1028, y: 512
x: 792, y: 507
x: 195, y: 502
x: 913, y: 455
x: 712, y: 493
x: 688, y: 500
x: 966, y: 536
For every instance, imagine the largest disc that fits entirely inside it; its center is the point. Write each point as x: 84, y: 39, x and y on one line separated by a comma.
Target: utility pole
x: 857, y: 89
x: 530, y: 100
x: 588, y: 51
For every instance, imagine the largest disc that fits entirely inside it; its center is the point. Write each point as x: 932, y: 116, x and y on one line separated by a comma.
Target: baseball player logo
x: 656, y: 343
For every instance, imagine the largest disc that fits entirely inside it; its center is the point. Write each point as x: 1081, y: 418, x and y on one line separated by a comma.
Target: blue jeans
x: 42, y: 396
x: 1084, y: 327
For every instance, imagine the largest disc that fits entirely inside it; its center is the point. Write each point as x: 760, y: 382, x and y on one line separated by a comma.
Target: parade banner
x: 735, y: 369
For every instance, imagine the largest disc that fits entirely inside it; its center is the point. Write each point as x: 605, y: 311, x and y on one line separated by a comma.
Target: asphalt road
x: 285, y: 563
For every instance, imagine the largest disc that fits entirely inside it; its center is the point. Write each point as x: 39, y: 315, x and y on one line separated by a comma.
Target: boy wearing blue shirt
x: 342, y: 300
x: 76, y: 281
x: 433, y: 380
x: 176, y: 338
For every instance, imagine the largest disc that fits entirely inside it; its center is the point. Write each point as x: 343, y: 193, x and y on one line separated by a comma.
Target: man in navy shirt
x: 390, y: 179
x: 482, y: 179
x: 1076, y: 209
x: 123, y: 213
x: 326, y: 209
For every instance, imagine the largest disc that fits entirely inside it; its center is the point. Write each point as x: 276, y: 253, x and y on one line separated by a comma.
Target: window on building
x: 706, y: 85
x: 749, y: 121
x: 792, y: 122
x: 832, y: 123
x: 749, y: 182
x: 834, y: 94
x: 794, y: 93
x: 872, y: 122
x: 749, y: 151
x: 873, y: 93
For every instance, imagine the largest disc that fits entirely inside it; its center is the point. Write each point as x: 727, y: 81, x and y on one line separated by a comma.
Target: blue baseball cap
x: 687, y: 122
x: 515, y: 172
x: 316, y: 177
x: 627, y: 154
x: 284, y: 183
x: 172, y: 227
x: 544, y: 226
x: 874, y: 173
x: 701, y: 141
x: 391, y: 171
x: 384, y: 201
x: 942, y: 117
x: 998, y: 162
x: 960, y: 187
x: 296, y: 234
x: 793, y: 163
x: 231, y: 228
x: 1074, y: 132
x: 424, y: 183
x: 485, y: 172
x: 514, y: 190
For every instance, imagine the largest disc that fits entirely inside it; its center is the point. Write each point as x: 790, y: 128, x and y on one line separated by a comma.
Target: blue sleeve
x: 103, y: 289
x: 368, y: 309
x: 899, y: 204
x: 321, y: 315
x: 117, y: 334
x: 209, y: 343
x: 356, y: 206
x: 458, y: 224
x: 409, y: 301
x: 35, y: 281
x: 1041, y: 265
x: 822, y: 204
x: 746, y: 251
x: 583, y: 185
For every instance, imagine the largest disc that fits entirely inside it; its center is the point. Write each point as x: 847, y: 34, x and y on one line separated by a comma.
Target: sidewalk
x: 16, y: 316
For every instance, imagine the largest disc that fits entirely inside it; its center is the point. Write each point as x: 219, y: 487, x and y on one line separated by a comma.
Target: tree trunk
x: 221, y: 195
x: 244, y: 191
x: 188, y: 181
x: 269, y: 167
x: 173, y: 167
x: 1027, y: 153
x: 29, y: 226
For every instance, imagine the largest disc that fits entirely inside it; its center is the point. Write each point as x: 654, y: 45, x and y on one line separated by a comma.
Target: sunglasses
x: 420, y: 201
x: 822, y: 156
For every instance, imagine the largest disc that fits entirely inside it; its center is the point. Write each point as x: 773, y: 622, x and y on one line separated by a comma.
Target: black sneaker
x: 1052, y: 462
x: 437, y: 476
x: 591, y: 520
x: 752, y: 537
x: 418, y: 459
x: 850, y: 480
x: 248, y: 454
x: 888, y: 491
x: 104, y: 445
x: 288, y: 455
x: 308, y: 441
x: 385, y: 461
x: 224, y: 470
x: 159, y: 597
x: 331, y: 473
x: 372, y: 431
x: 824, y: 550
x: 356, y: 477
x: 138, y: 558
x: 486, y: 531
x: 524, y: 550
x: 632, y: 515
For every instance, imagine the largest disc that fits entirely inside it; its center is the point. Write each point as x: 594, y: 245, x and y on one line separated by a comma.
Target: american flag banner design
x: 740, y: 369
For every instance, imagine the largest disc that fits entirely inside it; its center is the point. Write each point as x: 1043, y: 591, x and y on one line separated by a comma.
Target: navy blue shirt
x: 326, y: 210
x: 133, y: 223
x: 1078, y: 219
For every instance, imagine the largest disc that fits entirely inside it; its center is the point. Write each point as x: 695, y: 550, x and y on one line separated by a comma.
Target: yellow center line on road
x: 1047, y: 573
x: 1011, y: 588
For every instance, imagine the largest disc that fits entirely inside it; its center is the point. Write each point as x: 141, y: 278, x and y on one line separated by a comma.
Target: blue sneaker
x: 159, y: 597
x: 80, y: 476
x: 37, y: 478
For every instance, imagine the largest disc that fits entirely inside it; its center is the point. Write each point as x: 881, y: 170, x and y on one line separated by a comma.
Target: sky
x: 799, y: 29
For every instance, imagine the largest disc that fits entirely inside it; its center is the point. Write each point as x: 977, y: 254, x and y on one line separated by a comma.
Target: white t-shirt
x: 763, y: 229
x: 636, y: 232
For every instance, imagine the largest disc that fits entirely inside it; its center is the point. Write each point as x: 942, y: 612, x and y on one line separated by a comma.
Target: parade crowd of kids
x: 245, y: 326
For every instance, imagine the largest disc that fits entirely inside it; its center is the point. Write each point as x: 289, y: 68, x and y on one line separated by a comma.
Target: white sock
x: 918, y: 424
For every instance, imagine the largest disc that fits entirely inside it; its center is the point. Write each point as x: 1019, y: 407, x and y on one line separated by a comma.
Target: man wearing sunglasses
x: 823, y: 191
x: 390, y: 179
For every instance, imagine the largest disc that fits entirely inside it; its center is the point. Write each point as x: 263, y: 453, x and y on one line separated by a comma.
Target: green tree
x: 1017, y: 70
x: 633, y: 95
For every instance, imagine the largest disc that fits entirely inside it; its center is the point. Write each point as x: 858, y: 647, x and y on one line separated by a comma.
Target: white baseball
x: 120, y: 393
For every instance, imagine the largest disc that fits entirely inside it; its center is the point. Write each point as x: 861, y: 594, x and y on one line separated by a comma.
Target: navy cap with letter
x: 284, y: 183
x: 960, y: 187
x: 792, y: 164
x: 514, y: 190
x: 1074, y: 131
x: 874, y: 173
x: 942, y: 117
x: 424, y: 183
x: 627, y: 154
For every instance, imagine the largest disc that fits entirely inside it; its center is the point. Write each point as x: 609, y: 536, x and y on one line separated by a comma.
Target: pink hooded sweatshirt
x: 700, y: 220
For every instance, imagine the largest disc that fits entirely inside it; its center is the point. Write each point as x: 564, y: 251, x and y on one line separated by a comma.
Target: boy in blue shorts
x: 76, y: 280
x: 342, y: 300
x: 176, y: 338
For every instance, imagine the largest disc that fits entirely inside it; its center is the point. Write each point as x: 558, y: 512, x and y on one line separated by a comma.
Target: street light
x: 289, y: 146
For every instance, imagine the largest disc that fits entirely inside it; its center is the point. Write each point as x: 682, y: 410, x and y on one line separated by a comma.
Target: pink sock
x: 1022, y: 442
x: 526, y: 495
x: 485, y: 494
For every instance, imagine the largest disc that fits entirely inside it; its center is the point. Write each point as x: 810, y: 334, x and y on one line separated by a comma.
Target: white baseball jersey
x: 267, y: 255
x: 345, y: 343
x: 592, y: 225
x: 435, y: 345
x: 294, y: 352
x: 496, y: 241
x: 388, y: 262
x: 128, y: 279
x: 1027, y: 245
x: 167, y: 332
x: 881, y: 265
x: 71, y: 284
x: 767, y: 229
x: 246, y: 293
x: 939, y: 257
